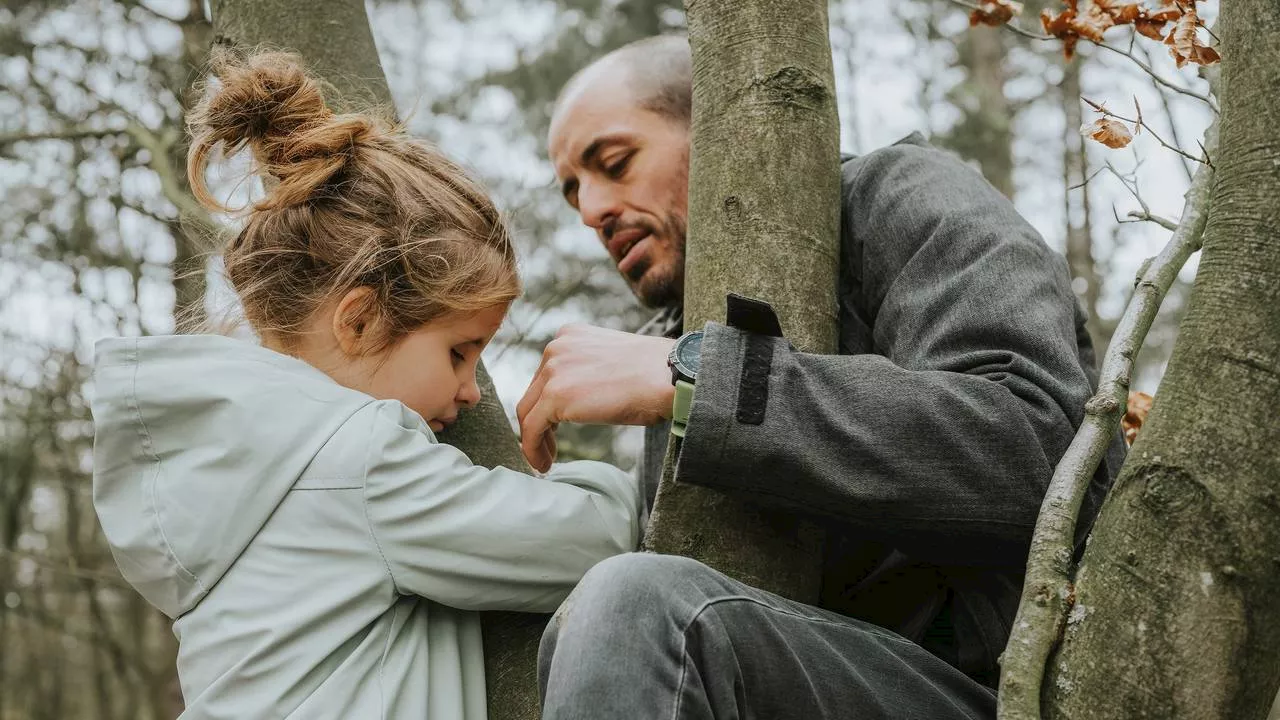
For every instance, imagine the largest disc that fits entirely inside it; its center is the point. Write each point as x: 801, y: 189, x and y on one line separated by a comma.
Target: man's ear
x: 355, y: 322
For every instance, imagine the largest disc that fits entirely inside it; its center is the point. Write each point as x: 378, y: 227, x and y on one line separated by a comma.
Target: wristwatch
x: 684, y: 360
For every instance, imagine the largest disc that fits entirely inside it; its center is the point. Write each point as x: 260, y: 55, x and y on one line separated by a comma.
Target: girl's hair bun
x: 267, y: 102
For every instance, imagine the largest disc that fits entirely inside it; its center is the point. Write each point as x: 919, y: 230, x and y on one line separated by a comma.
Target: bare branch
x: 1206, y: 99
x: 75, y: 133
x: 1048, y: 592
x: 1144, y: 216
x: 158, y: 147
x: 1084, y: 182
x: 1168, y: 112
x: 1140, y: 123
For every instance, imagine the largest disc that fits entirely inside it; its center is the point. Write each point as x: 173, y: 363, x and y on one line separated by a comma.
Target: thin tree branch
x: 158, y: 147
x: 74, y: 133
x: 1013, y: 27
x: 1010, y: 25
x: 1048, y: 593
x: 1140, y: 123
x: 1168, y: 113
x: 1144, y: 216
x: 1206, y: 99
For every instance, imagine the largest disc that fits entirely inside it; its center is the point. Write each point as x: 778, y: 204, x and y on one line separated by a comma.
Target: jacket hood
x: 197, y: 440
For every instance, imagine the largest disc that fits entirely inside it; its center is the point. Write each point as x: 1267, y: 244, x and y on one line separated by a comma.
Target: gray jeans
x: 654, y: 636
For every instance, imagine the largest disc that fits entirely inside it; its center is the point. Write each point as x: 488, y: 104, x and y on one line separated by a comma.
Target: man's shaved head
x: 658, y: 71
x: 619, y: 143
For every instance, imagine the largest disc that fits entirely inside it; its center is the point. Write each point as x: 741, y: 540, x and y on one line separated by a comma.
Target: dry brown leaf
x: 1184, y: 41
x: 1111, y: 133
x: 1153, y: 29
x: 1093, y: 22
x: 1059, y: 26
x: 1135, y: 415
x: 1121, y: 12
x: 1071, y: 23
x: 995, y: 12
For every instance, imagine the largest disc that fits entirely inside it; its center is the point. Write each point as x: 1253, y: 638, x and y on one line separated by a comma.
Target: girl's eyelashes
x: 458, y: 357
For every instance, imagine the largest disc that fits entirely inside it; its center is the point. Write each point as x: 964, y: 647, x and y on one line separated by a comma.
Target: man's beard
x: 661, y: 287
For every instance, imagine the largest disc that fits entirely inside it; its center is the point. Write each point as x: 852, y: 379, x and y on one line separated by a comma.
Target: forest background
x: 99, y: 235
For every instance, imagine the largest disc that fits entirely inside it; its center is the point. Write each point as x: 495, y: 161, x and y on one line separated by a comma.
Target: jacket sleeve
x: 480, y: 539
x: 942, y: 441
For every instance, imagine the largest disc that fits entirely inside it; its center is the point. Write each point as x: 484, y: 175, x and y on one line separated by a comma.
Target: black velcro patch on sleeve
x: 753, y: 388
x: 751, y: 315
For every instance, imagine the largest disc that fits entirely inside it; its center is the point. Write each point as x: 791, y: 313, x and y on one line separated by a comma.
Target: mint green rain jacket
x: 321, y: 554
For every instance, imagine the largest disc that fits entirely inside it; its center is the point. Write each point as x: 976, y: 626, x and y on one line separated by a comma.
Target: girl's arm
x: 480, y: 539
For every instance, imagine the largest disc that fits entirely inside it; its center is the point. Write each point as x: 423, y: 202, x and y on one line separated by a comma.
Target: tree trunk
x: 337, y: 42
x: 1175, y: 613
x: 764, y: 183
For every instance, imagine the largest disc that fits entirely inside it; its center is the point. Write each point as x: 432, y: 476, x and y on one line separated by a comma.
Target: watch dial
x: 690, y: 354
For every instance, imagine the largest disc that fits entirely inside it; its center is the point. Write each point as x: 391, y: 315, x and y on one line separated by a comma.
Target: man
x: 926, y: 444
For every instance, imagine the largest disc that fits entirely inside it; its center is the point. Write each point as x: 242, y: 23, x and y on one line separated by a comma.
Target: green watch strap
x: 680, y: 407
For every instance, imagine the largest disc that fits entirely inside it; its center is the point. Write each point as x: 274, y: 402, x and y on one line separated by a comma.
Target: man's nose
x: 597, y: 205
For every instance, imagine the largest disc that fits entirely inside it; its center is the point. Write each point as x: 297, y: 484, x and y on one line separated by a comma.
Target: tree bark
x: 764, y: 183
x: 1175, y: 613
x: 337, y: 42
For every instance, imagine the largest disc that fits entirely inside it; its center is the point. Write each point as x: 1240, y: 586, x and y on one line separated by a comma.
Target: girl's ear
x: 354, y: 322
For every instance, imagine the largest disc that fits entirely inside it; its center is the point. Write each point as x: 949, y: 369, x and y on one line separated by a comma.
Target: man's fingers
x: 538, y: 423
x: 531, y: 395
x: 548, y: 448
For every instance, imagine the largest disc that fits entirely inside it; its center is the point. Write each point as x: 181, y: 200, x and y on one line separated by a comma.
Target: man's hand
x: 596, y: 376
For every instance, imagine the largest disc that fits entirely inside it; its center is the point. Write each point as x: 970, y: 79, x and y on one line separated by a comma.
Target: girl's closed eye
x: 457, y: 356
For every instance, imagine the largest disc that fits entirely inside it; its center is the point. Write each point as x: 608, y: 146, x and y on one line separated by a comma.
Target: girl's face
x: 433, y: 369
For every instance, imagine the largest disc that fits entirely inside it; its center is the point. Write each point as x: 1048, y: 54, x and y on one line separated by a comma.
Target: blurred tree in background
x: 99, y: 237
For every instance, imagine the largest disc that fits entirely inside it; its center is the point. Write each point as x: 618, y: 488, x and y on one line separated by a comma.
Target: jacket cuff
x: 730, y: 404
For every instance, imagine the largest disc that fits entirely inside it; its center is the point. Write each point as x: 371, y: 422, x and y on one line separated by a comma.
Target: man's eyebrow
x: 588, y: 156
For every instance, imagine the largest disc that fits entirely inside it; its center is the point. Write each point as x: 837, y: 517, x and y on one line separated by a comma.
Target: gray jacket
x: 321, y: 554
x: 928, y: 442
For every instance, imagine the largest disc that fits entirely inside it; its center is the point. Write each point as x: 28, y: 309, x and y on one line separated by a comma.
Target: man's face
x: 625, y: 170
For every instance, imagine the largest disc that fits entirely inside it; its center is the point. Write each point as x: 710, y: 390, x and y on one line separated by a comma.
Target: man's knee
x: 634, y: 588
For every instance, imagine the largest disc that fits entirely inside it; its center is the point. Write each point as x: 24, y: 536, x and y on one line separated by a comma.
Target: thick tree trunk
x: 1175, y: 613
x: 765, y: 188
x: 337, y: 42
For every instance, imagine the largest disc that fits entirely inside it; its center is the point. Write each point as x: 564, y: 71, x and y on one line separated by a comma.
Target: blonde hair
x: 352, y: 201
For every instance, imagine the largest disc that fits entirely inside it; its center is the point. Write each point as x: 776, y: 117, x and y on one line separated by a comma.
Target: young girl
x: 288, y: 505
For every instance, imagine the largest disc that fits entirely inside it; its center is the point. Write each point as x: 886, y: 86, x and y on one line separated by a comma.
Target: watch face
x: 689, y: 354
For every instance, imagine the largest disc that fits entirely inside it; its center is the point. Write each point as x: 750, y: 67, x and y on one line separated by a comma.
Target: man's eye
x: 616, y: 169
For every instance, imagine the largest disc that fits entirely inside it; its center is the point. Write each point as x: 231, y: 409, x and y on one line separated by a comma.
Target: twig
x: 1168, y: 113
x: 158, y: 147
x: 1144, y: 216
x: 1206, y: 99
x: 75, y: 133
x: 1048, y: 589
x: 1139, y: 122
x: 1010, y: 25
x: 1084, y: 182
